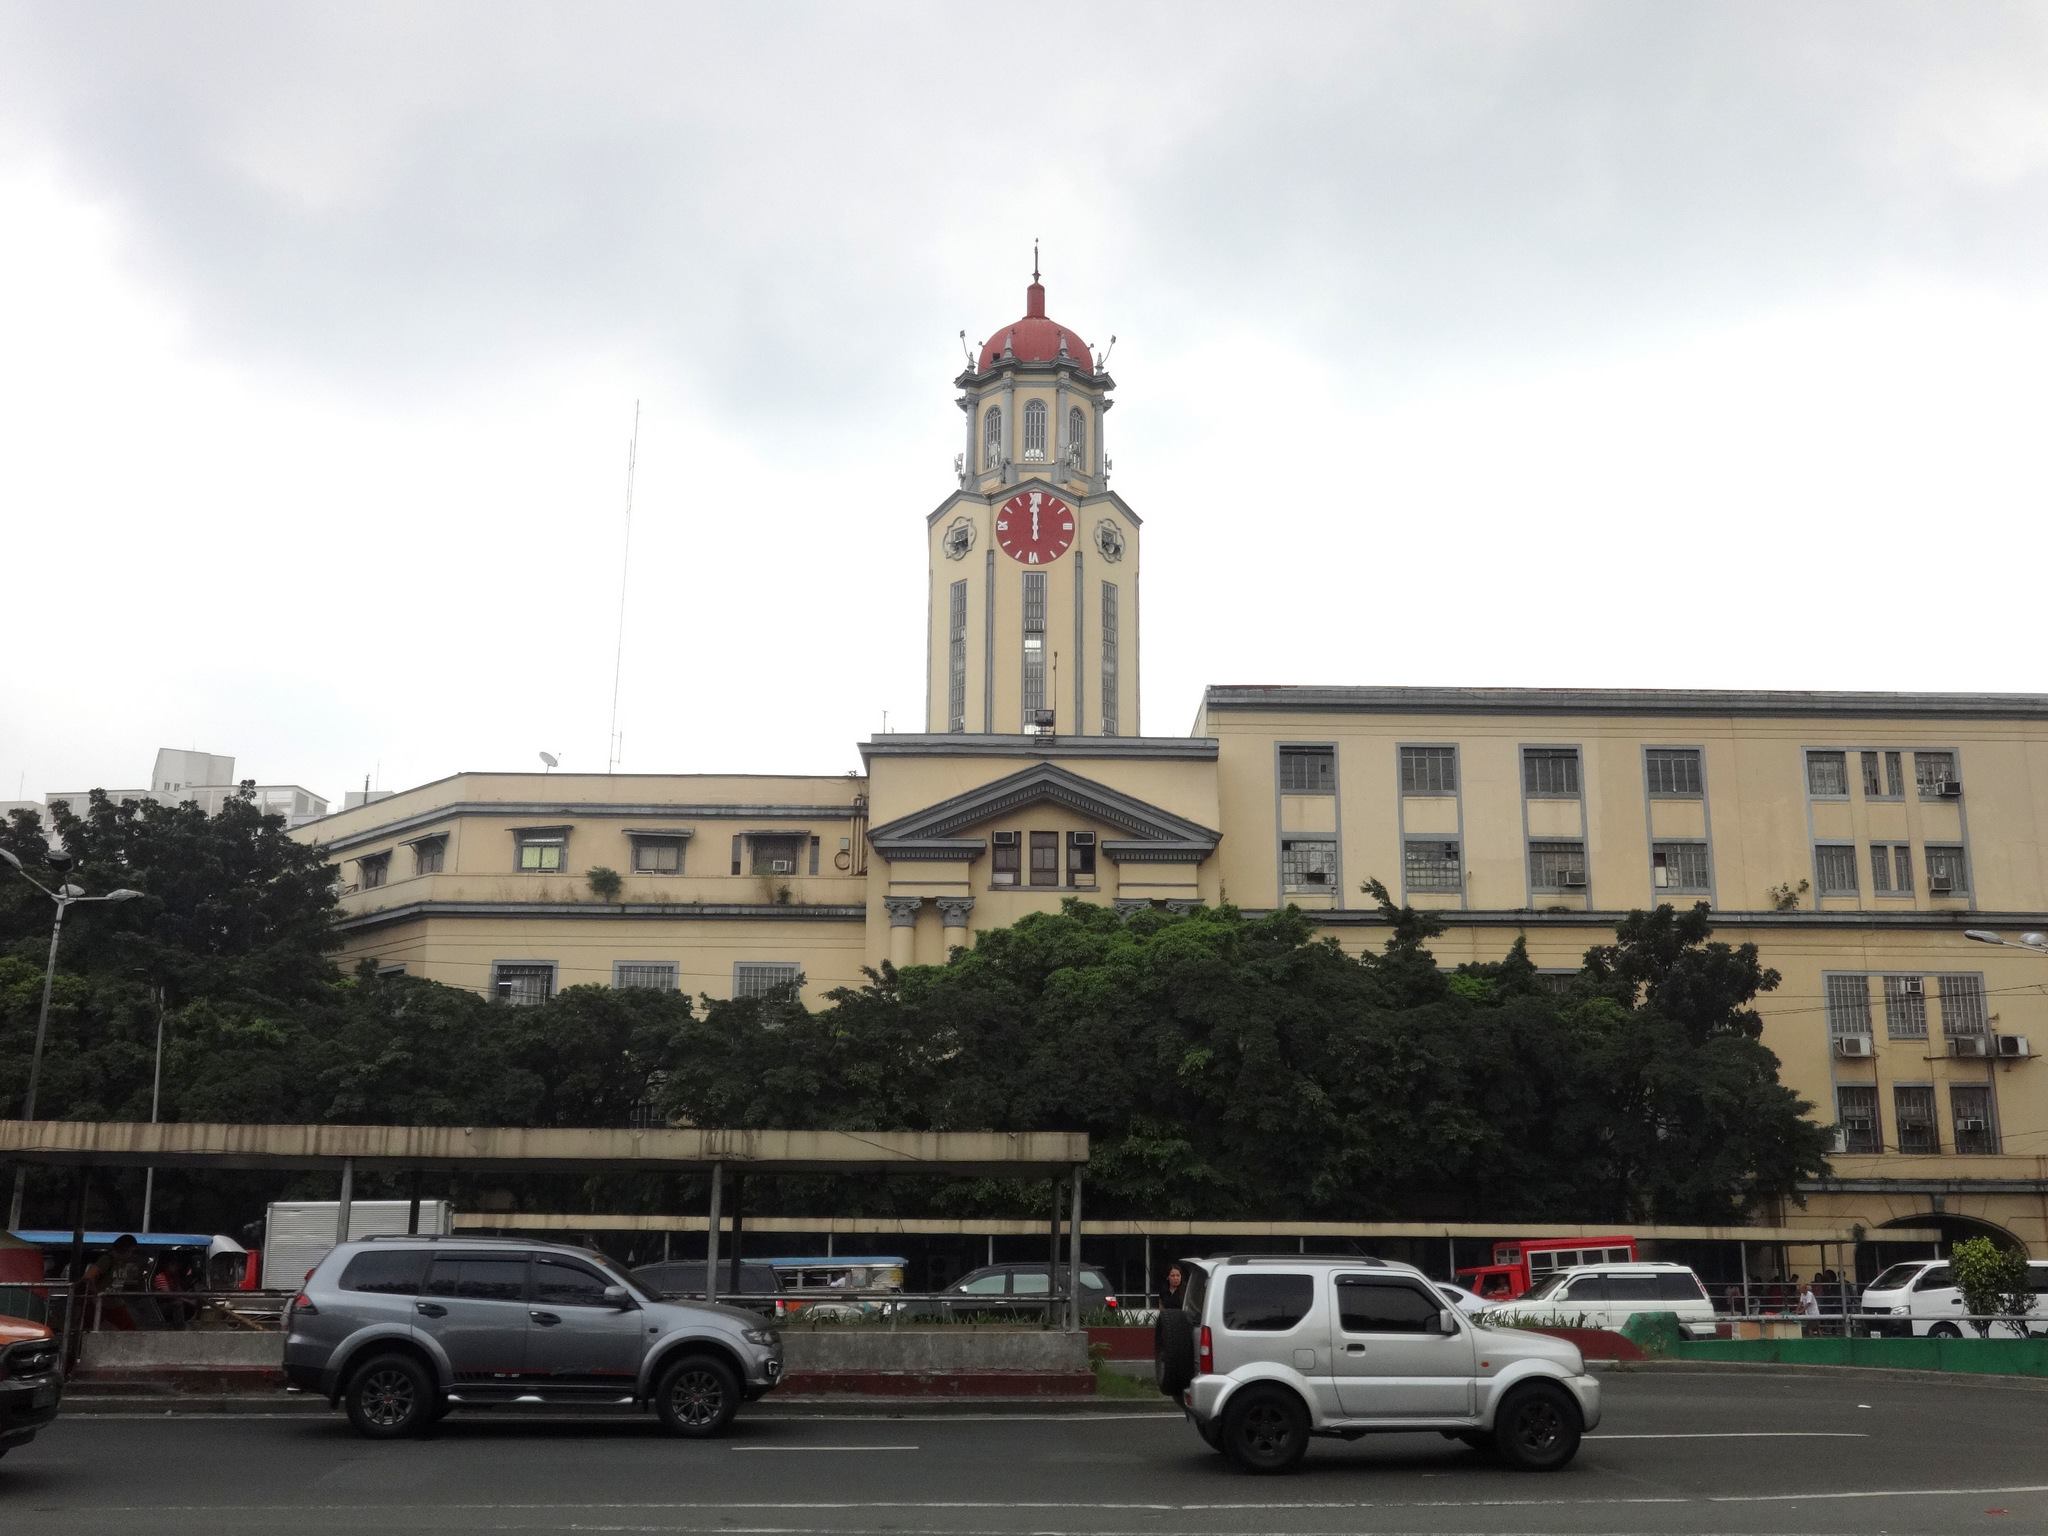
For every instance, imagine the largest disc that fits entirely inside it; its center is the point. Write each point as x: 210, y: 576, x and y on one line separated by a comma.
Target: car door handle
x: 1354, y: 1349
x: 545, y: 1319
x: 431, y: 1309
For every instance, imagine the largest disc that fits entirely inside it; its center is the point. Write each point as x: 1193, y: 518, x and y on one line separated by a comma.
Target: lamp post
x: 65, y: 897
x: 2037, y: 943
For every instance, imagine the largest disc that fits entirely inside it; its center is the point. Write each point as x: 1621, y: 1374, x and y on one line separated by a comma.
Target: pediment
x: 1149, y: 831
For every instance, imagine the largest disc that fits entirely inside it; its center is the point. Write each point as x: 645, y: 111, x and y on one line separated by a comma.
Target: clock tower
x: 1033, y: 624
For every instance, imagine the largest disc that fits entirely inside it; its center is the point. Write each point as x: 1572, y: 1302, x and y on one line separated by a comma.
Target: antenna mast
x: 612, y: 742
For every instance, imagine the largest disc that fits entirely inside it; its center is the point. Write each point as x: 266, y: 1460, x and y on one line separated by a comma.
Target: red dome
x: 1035, y: 339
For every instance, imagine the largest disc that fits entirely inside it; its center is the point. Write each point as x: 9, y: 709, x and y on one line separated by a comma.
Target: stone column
x: 954, y: 912
x: 902, y: 928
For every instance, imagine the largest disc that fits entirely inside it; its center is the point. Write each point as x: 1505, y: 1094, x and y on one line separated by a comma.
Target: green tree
x: 1994, y: 1281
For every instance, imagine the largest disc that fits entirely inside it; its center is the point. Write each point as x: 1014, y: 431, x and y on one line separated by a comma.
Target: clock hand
x: 1034, y: 525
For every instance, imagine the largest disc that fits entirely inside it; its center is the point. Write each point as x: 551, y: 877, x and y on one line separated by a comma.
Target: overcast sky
x: 1538, y: 344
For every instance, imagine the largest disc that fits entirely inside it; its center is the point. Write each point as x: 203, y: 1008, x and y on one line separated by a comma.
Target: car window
x: 1631, y: 1287
x: 1896, y: 1278
x: 493, y: 1278
x: 1194, y: 1288
x: 1935, y: 1278
x: 1266, y: 1303
x: 2037, y: 1276
x: 1584, y: 1288
x: 1094, y: 1280
x: 985, y: 1285
x: 1672, y: 1286
x: 1543, y: 1289
x: 564, y: 1283
x: 672, y: 1277
x: 1385, y: 1306
x: 1029, y: 1282
x: 387, y: 1272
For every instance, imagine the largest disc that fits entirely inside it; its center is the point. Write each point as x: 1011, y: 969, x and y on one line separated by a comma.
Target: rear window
x: 387, y: 1272
x: 1266, y: 1303
x: 1675, y: 1287
x: 1194, y: 1288
x: 1630, y: 1288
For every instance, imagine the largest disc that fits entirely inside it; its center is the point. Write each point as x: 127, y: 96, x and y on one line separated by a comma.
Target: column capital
x: 1129, y: 904
x: 954, y: 910
x: 903, y: 910
x: 1182, y: 907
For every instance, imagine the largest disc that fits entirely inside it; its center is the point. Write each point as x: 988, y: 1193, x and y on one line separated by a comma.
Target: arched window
x: 1077, y: 438
x: 992, y: 438
x: 1034, y: 429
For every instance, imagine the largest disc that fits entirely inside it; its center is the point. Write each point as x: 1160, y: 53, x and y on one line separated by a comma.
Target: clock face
x: 1034, y: 527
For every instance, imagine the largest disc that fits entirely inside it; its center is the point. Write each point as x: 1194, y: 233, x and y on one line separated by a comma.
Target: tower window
x: 1077, y: 437
x: 956, y: 659
x: 1109, y: 658
x: 992, y: 438
x: 1034, y: 430
x: 1034, y: 647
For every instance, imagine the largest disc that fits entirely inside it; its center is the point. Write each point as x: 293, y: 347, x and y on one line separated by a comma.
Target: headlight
x: 767, y: 1338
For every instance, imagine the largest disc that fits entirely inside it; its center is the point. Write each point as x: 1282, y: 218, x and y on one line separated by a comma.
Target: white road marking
x: 1743, y: 1434
x: 1871, y: 1493
x: 739, y: 1448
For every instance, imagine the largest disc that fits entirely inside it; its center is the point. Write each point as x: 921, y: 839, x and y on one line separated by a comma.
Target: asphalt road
x: 1679, y: 1453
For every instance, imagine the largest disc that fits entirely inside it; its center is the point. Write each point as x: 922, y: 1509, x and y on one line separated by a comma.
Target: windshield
x: 1897, y: 1278
x: 1547, y: 1286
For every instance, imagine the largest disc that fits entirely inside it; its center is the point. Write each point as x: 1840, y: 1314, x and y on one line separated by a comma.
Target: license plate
x: 46, y: 1397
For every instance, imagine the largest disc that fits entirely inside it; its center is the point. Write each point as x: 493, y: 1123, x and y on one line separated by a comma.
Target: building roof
x: 1621, y: 701
x: 1036, y: 338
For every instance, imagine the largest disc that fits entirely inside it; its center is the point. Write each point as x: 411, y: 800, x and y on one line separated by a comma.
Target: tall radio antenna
x: 613, y: 744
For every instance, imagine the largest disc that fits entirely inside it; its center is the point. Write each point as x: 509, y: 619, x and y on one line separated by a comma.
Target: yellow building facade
x: 1854, y: 838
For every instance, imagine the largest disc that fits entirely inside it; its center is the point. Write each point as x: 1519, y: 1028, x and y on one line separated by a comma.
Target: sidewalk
x: 299, y: 1404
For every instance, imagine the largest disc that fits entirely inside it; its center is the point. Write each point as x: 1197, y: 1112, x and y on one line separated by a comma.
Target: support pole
x: 991, y: 1248
x: 1742, y: 1254
x: 1451, y: 1258
x: 1149, y: 1301
x: 1052, y: 1269
x: 341, y: 1208
x: 711, y: 1234
x: 74, y: 1310
x: 412, y: 1211
x: 739, y: 1217
x: 1074, y: 1257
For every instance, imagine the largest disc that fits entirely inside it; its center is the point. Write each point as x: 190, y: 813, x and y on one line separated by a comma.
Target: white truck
x: 298, y: 1233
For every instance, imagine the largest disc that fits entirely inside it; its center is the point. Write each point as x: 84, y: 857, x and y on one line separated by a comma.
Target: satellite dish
x: 551, y: 760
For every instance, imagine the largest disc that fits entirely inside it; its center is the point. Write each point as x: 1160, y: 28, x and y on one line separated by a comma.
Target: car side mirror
x: 1445, y: 1323
x: 618, y: 1297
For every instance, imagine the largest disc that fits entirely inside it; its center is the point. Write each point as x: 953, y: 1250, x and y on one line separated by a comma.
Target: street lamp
x: 2036, y: 942
x: 65, y: 896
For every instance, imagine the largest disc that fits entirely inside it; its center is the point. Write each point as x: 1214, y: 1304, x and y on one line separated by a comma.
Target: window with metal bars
x: 1881, y: 869
x: 1963, y: 1009
x: 1308, y: 863
x: 1946, y: 863
x: 1673, y: 772
x: 1680, y: 867
x: 1005, y: 860
x: 1308, y: 770
x: 992, y: 438
x: 956, y: 658
x: 429, y: 854
x: 372, y: 871
x: 1557, y: 866
x: 1974, y: 1117
x: 1081, y: 859
x: 1894, y: 776
x: 1045, y: 858
x: 774, y: 853
x: 1905, y: 1007
x: 758, y: 978
x: 1034, y: 430
x: 1431, y: 864
x: 1931, y: 770
x: 1077, y: 435
x: 1550, y: 772
x: 653, y: 975
x: 1827, y: 775
x: 1873, y: 786
x: 523, y: 986
x: 1856, y: 1115
x: 1834, y: 867
x: 1848, y: 1005
x: 1034, y: 647
x: 1913, y: 1104
x: 1429, y: 770
x: 1109, y: 656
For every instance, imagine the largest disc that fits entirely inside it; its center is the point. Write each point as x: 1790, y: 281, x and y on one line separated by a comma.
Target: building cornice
x: 688, y: 911
x: 1958, y: 1186
x: 1042, y: 782
x: 1512, y: 917
x: 971, y: 744
x: 556, y: 810
x: 1622, y: 701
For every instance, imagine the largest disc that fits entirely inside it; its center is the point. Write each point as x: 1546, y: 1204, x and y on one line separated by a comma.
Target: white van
x: 1608, y: 1295
x: 1920, y: 1299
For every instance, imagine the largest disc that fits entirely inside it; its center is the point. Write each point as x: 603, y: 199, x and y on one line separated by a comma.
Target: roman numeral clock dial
x: 1034, y: 527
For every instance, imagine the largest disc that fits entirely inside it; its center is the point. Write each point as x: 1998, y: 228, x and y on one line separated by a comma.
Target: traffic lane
x: 1752, y: 1453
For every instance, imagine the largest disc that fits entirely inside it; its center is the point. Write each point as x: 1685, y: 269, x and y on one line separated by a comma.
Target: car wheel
x: 389, y: 1396
x: 1173, y: 1353
x: 697, y: 1397
x: 1538, y: 1427
x: 1265, y: 1429
x: 1944, y: 1331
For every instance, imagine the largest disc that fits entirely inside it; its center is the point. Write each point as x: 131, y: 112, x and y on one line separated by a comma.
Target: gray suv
x: 401, y: 1330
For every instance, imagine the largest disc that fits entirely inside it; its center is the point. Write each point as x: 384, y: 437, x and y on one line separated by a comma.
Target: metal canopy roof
x: 973, y: 1154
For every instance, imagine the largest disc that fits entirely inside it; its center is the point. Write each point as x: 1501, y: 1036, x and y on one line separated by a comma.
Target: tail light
x: 1205, y: 1355
x: 302, y: 1306
x: 1109, y: 1302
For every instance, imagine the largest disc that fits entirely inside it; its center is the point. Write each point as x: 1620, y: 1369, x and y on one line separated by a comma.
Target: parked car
x: 1017, y: 1291
x: 1471, y: 1303
x: 682, y: 1279
x: 1608, y: 1295
x: 31, y: 1381
x: 1266, y: 1352
x: 400, y: 1330
x: 1920, y: 1299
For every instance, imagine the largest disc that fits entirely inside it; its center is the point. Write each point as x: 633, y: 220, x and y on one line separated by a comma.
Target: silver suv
x: 403, y: 1329
x: 1266, y: 1352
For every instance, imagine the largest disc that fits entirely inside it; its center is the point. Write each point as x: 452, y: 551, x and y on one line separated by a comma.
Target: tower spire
x: 1034, y: 258
x: 1034, y: 296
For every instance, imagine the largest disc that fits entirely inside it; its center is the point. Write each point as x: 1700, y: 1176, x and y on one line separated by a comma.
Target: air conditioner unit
x: 1852, y: 1045
x: 1006, y: 839
x: 1911, y: 985
x: 1660, y: 877
x: 782, y: 866
x: 1970, y: 1125
x: 1856, y: 1123
x: 1841, y: 1140
x: 2014, y: 1045
x: 1968, y: 1045
x: 1084, y: 839
x: 1315, y: 877
x: 1949, y: 789
x: 1941, y: 885
x: 1573, y: 880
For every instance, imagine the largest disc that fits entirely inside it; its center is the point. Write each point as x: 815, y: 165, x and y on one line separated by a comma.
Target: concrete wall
x: 189, y: 1349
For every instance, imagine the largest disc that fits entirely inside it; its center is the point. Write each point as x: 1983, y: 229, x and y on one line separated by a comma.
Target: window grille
x: 1673, y: 771
x: 523, y: 986
x: 1894, y: 776
x: 1848, y: 1005
x: 1975, y: 1116
x: 1034, y: 430
x: 1902, y: 869
x: 1005, y: 860
x: 1077, y: 434
x: 1431, y: 864
x: 1109, y: 657
x: 759, y: 978
x: 992, y: 438
x: 1429, y: 770
x: 1081, y: 859
x: 1308, y: 770
x: 657, y: 855
x: 1034, y: 646
x: 1963, y: 1010
x: 1827, y: 774
x: 1905, y: 1007
x: 765, y: 850
x: 1308, y: 864
x: 1680, y: 867
x: 371, y: 872
x: 1915, y: 1108
x: 1856, y: 1114
x: 1551, y: 863
x: 655, y: 975
x: 1045, y: 858
x: 1873, y: 786
x: 1881, y: 868
x: 541, y: 853
x: 429, y: 854
x: 1551, y: 771
x: 1931, y: 770
x: 1946, y: 860
x: 956, y: 658
x: 1835, y: 868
